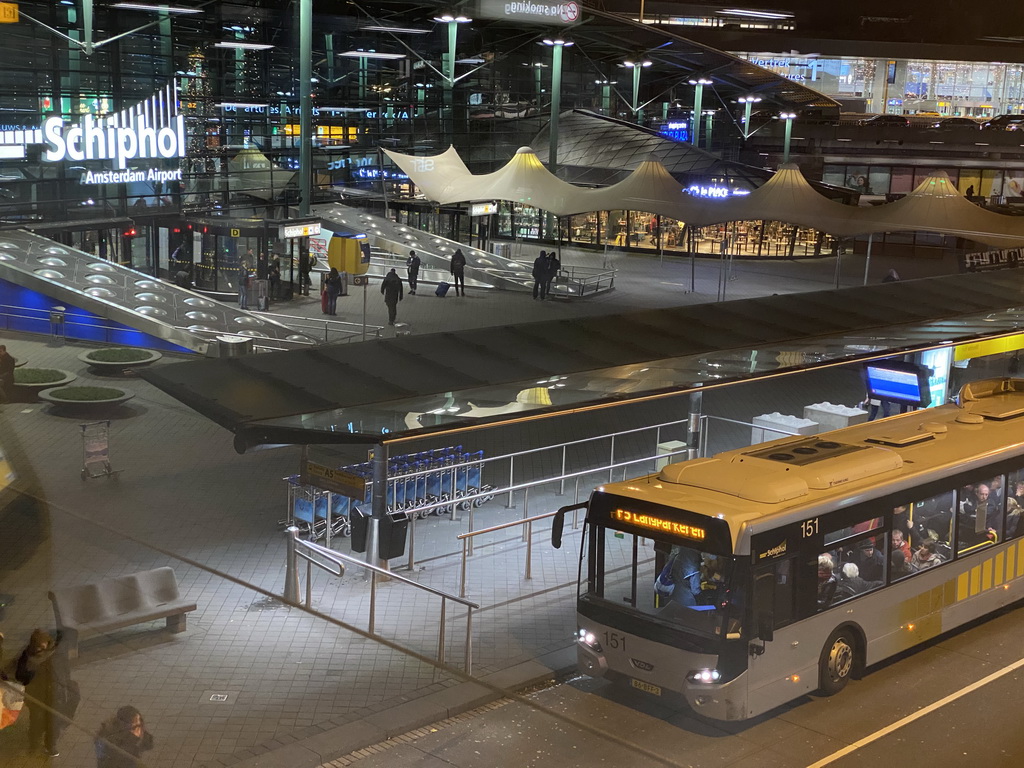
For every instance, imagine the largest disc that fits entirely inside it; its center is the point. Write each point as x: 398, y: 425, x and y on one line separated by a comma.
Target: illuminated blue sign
x: 677, y: 130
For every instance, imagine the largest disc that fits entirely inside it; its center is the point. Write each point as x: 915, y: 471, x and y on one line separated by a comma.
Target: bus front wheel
x: 837, y: 661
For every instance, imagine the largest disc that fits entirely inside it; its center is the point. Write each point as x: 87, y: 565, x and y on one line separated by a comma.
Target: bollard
x: 291, y: 575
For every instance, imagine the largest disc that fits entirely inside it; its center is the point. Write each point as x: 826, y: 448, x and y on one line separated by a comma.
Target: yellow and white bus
x: 747, y: 579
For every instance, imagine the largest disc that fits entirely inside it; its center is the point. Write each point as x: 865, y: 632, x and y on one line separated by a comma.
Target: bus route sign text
x: 659, y: 524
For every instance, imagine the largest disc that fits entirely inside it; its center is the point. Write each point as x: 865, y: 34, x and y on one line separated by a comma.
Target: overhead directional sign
x: 333, y: 480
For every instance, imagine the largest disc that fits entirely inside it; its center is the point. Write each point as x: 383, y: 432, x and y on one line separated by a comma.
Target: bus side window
x: 1014, y: 503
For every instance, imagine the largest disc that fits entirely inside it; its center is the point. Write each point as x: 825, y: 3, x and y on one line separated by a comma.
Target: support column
x: 556, y: 106
x: 693, y: 425
x: 378, y: 502
x: 305, y: 106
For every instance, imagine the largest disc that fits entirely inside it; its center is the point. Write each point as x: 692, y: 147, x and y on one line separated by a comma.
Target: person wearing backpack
x: 122, y: 739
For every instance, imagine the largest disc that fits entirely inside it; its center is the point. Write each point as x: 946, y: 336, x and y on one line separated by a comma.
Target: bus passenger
x: 979, y: 520
x: 899, y: 544
x: 710, y: 590
x: 870, y: 561
x: 851, y: 584
x: 899, y: 565
x: 827, y: 582
x: 1012, y: 517
x: 925, y: 557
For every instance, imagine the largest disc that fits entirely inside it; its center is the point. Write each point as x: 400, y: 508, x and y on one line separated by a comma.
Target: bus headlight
x: 704, y: 676
x: 590, y: 640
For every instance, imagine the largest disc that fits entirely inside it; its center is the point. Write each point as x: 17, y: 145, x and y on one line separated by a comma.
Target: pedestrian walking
x: 412, y: 266
x: 7, y: 365
x: 243, y: 285
x: 540, y: 276
x: 333, y: 287
x: 122, y: 739
x: 392, y: 290
x: 50, y: 694
x: 554, y: 266
x: 306, y: 264
x: 459, y: 271
x: 274, y: 274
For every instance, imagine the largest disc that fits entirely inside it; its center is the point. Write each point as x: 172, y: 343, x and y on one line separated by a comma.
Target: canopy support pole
x: 839, y: 258
x: 867, y: 261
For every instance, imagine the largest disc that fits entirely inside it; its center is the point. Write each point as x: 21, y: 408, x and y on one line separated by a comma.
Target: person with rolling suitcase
x: 412, y: 265
x: 458, y: 270
x: 392, y: 290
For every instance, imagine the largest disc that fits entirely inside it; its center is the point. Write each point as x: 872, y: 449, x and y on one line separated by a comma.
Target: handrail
x: 527, y: 521
x: 339, y: 559
x: 351, y: 330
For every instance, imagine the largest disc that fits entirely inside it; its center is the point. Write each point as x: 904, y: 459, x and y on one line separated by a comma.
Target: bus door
x: 776, y: 655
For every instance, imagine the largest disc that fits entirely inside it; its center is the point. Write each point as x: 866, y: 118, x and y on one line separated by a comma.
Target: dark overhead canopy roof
x: 415, y: 385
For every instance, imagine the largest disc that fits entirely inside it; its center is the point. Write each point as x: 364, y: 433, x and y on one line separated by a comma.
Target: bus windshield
x: 684, y: 586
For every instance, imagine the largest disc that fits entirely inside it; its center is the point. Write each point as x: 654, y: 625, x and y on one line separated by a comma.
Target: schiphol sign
x: 540, y: 11
x: 152, y: 129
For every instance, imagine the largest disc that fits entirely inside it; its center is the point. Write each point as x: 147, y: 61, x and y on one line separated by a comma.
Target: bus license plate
x: 647, y: 687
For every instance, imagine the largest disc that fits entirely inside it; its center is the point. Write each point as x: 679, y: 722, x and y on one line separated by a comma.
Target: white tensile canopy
x: 934, y: 206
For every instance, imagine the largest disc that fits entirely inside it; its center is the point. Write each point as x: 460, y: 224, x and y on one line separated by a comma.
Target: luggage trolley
x: 96, y: 450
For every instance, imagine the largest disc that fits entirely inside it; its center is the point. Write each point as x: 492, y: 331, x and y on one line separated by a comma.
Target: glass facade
x: 906, y: 86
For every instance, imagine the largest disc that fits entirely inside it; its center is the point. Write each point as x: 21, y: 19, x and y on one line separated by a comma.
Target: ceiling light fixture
x: 397, y: 30
x: 157, y: 8
x: 243, y: 46
x: 371, y: 55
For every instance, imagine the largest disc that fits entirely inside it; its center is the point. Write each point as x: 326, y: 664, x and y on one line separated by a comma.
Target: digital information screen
x: 899, y: 385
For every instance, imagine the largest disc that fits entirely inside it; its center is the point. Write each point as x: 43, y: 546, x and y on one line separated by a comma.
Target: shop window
x: 980, y: 515
x: 857, y: 179
x: 878, y: 181
x: 835, y: 175
x: 901, y: 181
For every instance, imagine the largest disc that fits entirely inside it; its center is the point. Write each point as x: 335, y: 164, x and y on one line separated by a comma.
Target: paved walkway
x: 252, y: 682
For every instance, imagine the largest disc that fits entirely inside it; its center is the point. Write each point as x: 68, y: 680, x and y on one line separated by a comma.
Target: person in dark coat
x: 392, y: 290
x: 274, y: 275
x: 412, y: 265
x: 459, y: 271
x: 243, y: 285
x: 122, y: 739
x: 540, y: 276
x: 333, y: 287
x: 7, y: 365
x: 554, y: 265
x: 50, y: 695
x: 305, y: 267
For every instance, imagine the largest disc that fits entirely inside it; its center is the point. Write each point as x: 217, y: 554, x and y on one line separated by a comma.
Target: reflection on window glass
x: 1014, y: 504
x: 980, y: 517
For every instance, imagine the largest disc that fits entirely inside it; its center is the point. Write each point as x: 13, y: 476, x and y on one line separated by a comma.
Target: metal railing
x: 577, y: 282
x: 705, y: 431
x: 314, y: 326
x: 309, y: 551
x: 467, y: 541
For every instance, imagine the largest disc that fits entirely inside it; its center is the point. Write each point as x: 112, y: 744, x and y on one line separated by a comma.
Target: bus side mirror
x: 557, y: 524
x: 765, y: 627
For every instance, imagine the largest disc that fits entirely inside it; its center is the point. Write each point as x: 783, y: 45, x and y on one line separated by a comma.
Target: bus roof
x: 781, y: 478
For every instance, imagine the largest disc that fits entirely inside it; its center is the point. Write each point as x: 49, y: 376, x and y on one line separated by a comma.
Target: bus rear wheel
x: 838, y: 658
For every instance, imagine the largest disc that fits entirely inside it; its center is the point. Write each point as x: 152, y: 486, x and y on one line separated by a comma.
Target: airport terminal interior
x: 383, y: 383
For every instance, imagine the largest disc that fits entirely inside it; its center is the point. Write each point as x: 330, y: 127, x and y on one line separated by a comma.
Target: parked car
x: 956, y: 122
x: 887, y: 121
x: 1004, y: 123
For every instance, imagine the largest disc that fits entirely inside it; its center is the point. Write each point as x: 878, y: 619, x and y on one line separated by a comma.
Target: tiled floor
x: 184, y: 498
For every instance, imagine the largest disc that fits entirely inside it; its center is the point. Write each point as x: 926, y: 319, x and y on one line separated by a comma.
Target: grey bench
x: 92, y: 609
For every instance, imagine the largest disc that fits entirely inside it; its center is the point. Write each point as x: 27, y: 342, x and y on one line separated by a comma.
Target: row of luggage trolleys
x: 434, y: 482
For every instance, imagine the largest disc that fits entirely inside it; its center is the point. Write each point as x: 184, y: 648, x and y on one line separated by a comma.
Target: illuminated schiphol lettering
x: 658, y: 524
x: 152, y: 129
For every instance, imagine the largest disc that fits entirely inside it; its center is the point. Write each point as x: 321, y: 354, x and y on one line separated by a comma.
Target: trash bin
x: 360, y: 522
x: 234, y: 346
x: 393, y: 530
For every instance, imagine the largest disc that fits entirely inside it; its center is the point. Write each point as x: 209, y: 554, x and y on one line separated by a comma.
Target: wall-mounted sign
x: 151, y: 130
x: 8, y: 13
x: 483, y: 209
x: 334, y: 480
x: 539, y: 11
x: 706, y: 190
x: 298, y: 229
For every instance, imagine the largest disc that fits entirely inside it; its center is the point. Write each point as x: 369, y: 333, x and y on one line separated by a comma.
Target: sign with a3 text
x: 483, y: 209
x: 8, y: 13
x: 333, y: 480
x: 537, y: 11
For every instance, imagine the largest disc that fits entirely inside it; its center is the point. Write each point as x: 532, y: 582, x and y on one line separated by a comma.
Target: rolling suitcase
x: 442, y: 289
x: 323, y: 301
